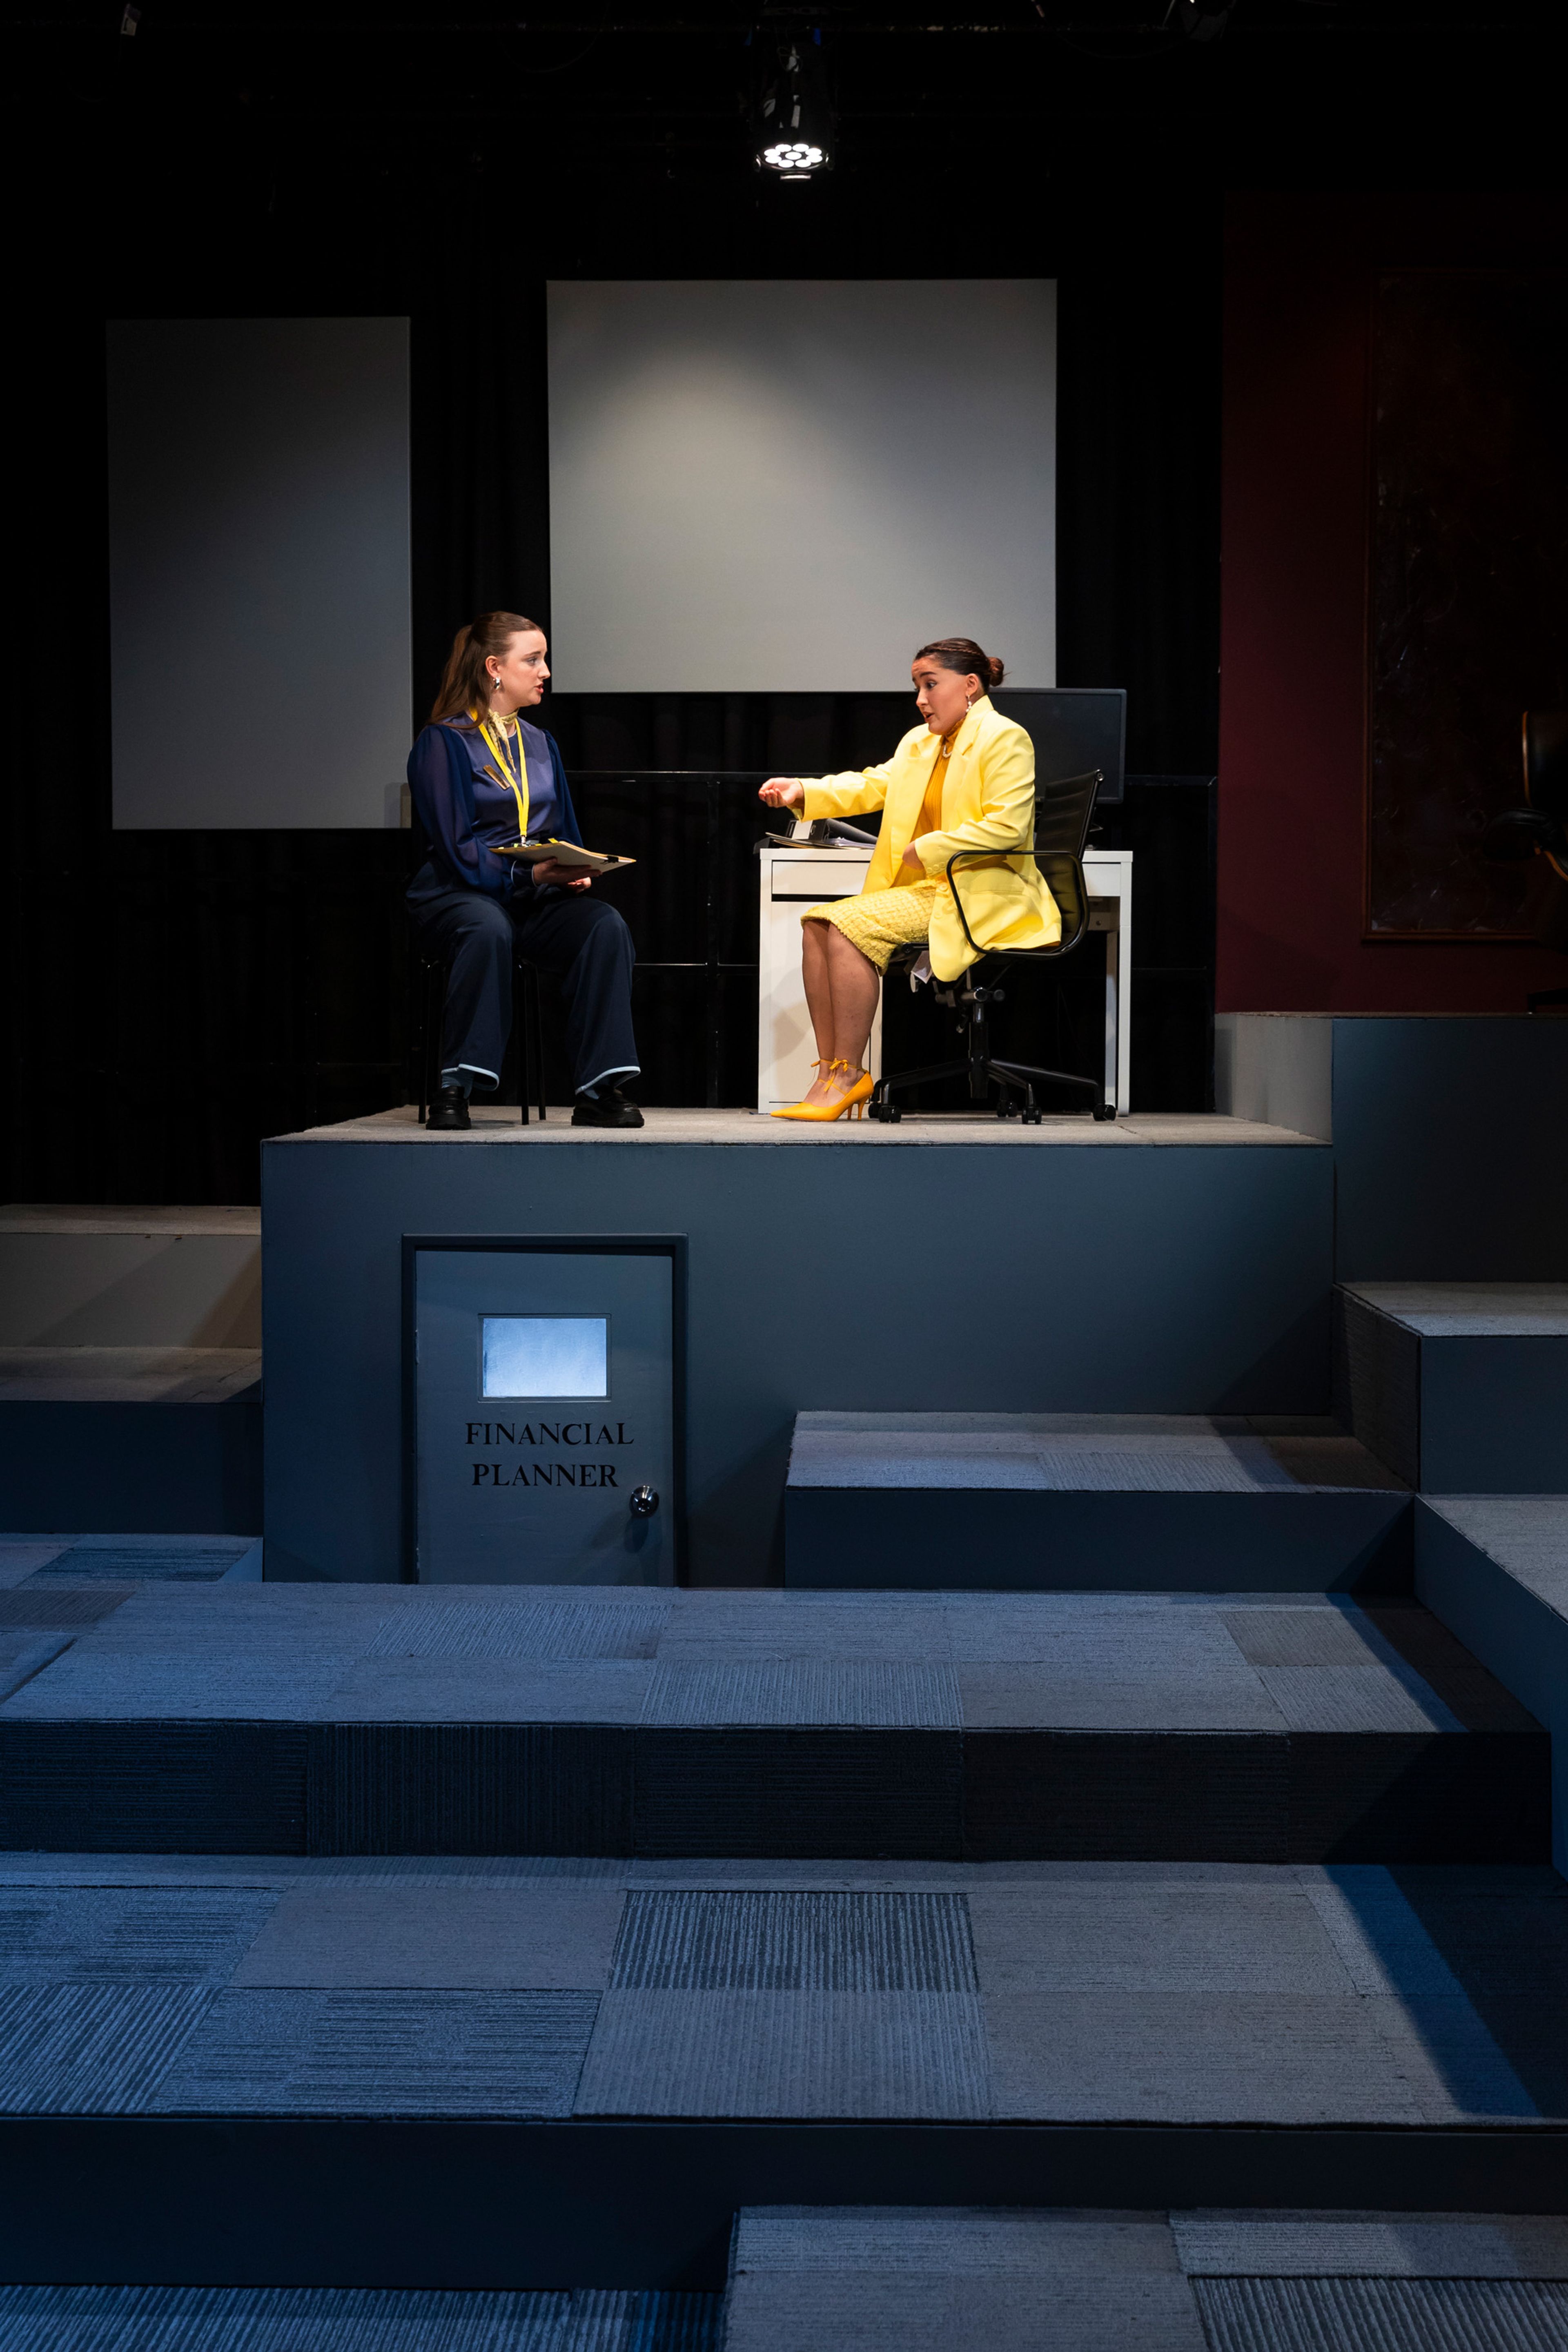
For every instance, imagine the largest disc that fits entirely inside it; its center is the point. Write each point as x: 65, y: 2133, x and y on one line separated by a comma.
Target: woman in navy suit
x: 482, y: 774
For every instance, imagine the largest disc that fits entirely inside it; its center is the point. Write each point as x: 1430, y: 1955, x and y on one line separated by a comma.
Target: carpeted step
x: 446, y: 2073
x: 396, y: 1719
x: 868, y: 2280
x: 1088, y: 1502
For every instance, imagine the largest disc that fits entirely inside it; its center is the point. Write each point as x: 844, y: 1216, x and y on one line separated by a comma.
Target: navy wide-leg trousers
x: 579, y: 939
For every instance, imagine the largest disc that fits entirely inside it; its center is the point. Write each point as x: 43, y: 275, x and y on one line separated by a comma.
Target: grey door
x: 544, y: 1406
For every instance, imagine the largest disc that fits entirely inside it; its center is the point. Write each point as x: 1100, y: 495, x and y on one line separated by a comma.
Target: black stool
x: 429, y: 997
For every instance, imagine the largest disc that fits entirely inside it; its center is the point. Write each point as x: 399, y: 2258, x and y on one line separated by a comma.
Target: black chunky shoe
x: 610, y: 1108
x: 449, y: 1108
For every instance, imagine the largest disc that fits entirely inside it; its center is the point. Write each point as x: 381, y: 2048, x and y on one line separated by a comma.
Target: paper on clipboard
x: 565, y: 854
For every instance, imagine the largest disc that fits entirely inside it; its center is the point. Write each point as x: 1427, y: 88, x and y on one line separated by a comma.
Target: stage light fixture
x: 1199, y: 20
x: 793, y: 120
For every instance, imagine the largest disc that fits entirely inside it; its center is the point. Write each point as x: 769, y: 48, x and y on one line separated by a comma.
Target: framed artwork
x: 1468, y: 594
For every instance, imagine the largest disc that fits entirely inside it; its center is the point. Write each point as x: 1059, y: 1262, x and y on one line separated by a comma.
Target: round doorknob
x: 645, y: 1502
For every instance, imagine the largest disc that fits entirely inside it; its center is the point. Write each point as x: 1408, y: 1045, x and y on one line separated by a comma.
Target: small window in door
x: 554, y: 1356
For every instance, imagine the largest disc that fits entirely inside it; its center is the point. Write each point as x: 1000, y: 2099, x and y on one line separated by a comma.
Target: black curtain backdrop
x: 1137, y: 484
x: 170, y: 998
x: 481, y: 472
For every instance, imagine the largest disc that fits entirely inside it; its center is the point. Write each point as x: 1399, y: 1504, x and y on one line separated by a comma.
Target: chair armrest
x: 1063, y: 878
x: 955, y: 859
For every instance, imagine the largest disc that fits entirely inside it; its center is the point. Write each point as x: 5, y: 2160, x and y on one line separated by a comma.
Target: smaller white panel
x: 258, y: 523
x: 553, y: 1356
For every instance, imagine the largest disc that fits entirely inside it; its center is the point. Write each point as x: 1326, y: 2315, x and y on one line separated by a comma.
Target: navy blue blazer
x: 462, y: 813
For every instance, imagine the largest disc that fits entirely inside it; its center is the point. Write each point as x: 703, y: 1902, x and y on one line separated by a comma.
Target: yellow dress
x: 877, y: 922
x: 981, y: 799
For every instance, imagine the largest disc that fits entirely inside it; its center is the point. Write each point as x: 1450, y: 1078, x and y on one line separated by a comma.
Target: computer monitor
x: 1074, y: 728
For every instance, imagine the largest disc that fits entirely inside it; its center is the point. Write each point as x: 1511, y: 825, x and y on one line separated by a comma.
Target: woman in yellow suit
x: 964, y: 780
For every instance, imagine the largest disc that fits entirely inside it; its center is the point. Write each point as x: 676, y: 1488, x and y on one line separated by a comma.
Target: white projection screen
x: 259, y: 571
x: 786, y: 486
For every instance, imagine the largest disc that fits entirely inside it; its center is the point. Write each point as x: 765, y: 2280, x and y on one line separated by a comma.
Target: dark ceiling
x: 620, y: 137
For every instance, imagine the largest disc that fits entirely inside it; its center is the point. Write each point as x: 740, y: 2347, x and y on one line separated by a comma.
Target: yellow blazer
x: 987, y: 802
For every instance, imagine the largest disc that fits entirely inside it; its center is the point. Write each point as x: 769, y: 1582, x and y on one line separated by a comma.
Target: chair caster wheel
x: 1105, y: 1110
x: 1033, y: 1118
x: 892, y: 1114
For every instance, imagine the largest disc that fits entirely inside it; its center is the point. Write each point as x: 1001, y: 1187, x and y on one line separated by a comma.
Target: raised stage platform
x: 1165, y: 1265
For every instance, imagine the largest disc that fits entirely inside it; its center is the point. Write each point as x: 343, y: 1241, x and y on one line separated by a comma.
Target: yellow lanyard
x: 504, y: 765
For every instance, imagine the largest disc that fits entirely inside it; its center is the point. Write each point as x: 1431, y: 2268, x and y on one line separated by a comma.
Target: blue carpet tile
x: 1380, y: 2314
x: 100, y: 1934
x: 51, y: 1607
x: 785, y: 1691
x: 357, y: 2052
x: 810, y: 2055
x: 526, y: 1628
x: 177, y: 1559
x: 350, y: 2319
x: 91, y: 2049
x: 794, y: 1941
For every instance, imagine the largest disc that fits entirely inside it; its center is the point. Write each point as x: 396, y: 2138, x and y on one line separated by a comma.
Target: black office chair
x: 1063, y: 811
x: 1539, y: 833
x: 428, y: 996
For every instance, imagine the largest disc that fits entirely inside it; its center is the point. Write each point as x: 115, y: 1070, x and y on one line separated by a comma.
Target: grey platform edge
x: 1450, y: 1134
x: 1461, y: 1388
x: 113, y: 1468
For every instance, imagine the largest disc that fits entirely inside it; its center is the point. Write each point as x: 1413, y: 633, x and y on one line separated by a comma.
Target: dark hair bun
x: 965, y: 656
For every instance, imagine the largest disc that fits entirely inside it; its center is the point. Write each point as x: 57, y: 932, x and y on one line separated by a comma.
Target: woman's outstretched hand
x: 782, y: 792
x: 565, y: 877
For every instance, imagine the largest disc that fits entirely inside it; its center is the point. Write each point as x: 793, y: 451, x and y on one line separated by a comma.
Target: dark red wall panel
x: 1299, y: 274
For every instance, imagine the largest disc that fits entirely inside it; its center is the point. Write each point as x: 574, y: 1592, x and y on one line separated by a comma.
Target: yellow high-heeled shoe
x: 852, y: 1101
x: 793, y: 1110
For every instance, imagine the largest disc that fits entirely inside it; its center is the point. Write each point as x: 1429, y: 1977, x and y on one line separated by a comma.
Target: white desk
x: 794, y: 879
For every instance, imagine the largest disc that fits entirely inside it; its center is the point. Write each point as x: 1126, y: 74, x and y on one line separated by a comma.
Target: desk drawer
x: 810, y: 878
